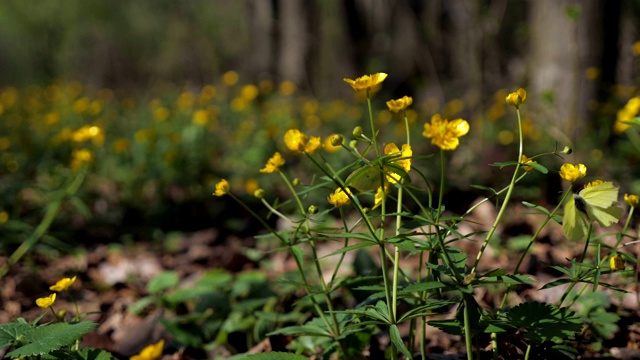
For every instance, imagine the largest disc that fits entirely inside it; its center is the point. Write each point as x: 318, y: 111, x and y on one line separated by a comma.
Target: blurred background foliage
x: 163, y: 98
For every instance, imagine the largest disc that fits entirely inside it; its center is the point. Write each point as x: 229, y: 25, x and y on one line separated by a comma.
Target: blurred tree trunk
x: 261, y: 24
x: 466, y: 57
x: 566, y: 38
x: 295, y: 38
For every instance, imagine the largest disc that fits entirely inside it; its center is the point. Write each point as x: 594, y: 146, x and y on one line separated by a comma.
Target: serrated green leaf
x: 11, y: 331
x: 48, y: 338
x: 269, y: 356
x: 542, y: 321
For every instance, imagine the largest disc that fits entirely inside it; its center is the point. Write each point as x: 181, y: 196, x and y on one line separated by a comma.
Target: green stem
x: 586, y: 244
x: 467, y: 329
x: 505, y: 202
x: 51, y: 213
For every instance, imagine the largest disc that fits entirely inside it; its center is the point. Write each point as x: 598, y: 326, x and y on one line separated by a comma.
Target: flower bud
x: 259, y: 193
x: 567, y: 150
x: 337, y: 140
x: 295, y: 182
x: 357, y: 132
x: 353, y: 144
x: 312, y: 209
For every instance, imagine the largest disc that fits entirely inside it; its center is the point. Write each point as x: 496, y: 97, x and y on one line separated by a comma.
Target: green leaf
x: 307, y: 329
x: 269, y: 356
x: 48, y: 338
x: 163, y: 281
x: 556, y: 283
x: 543, y: 322
x: 92, y: 354
x: 396, y: 339
x: 542, y: 209
x: 423, y: 286
x: 11, y: 331
x: 138, y: 306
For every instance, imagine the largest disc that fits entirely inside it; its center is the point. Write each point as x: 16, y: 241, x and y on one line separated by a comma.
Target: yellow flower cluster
x: 517, y: 98
x: 339, y: 197
x: 399, y: 104
x: 626, y: 114
x: 632, y: 200
x: 444, y: 133
x: 571, y: 172
x: 404, y: 161
x: 222, y: 188
x: 297, y: 141
x: 366, y: 82
x: 273, y: 164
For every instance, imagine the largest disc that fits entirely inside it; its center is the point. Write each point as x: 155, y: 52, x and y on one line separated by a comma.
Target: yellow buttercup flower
x: 517, y: 98
x: 444, y: 133
x: 377, y: 198
x: 627, y: 114
x: 366, y: 82
x: 525, y: 160
x: 222, y: 188
x: 273, y: 164
x: 46, y: 302
x: 632, y: 200
x: 339, y: 197
x: 63, y: 284
x: 572, y: 172
x: 399, y: 104
x: 404, y: 162
x: 593, y: 183
x: 616, y: 263
x: 297, y: 141
x: 151, y: 352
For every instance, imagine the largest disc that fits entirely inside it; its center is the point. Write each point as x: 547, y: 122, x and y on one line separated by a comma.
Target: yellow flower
x: 366, y: 82
x: 63, y: 284
x: 616, y: 263
x: 399, y: 104
x: 377, y: 199
x: 46, y: 302
x: 593, y: 183
x: 273, y: 164
x: 339, y: 197
x: 626, y: 114
x: 572, y: 172
x: 632, y: 200
x: 404, y: 162
x: 230, y: 78
x: 517, y: 98
x: 4, y: 217
x: 200, y: 117
x: 287, y: 88
x: 80, y: 157
x: 151, y: 352
x: 445, y: 133
x: 296, y: 141
x: 222, y: 188
x: 525, y: 160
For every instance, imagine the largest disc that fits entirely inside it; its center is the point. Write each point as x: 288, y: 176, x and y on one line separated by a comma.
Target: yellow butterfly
x: 596, y: 202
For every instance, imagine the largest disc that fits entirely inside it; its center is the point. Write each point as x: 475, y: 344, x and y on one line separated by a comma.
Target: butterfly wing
x: 364, y: 179
x: 602, y: 201
x: 574, y: 222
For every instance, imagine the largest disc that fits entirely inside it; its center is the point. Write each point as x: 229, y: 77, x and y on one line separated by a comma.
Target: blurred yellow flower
x: 207, y: 93
x: 632, y: 200
x: 453, y: 107
x: 230, y: 78
x: 160, y: 114
x: 572, y: 172
x: 80, y: 157
x: 517, y: 98
x: 120, y: 145
x: 151, y: 352
x: 287, y: 88
x: 627, y: 114
x: 592, y: 73
x: 635, y: 48
x: 399, y: 104
x: 4, y: 217
x: 200, y: 117
x: 333, y: 143
x: 185, y: 100
x: 273, y: 164
x: 251, y: 186
x: 616, y: 263
x: 63, y: 284
x: 51, y: 118
x: 445, y: 133
x: 525, y: 160
x: 222, y: 188
x: 5, y: 143
x: 366, y: 82
x: 249, y: 92
x: 81, y: 105
x: 296, y: 141
x: 46, y: 302
x: 339, y: 197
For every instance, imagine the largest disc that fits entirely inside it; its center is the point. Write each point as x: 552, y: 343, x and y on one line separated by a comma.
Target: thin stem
x: 467, y: 329
x: 507, y: 197
x: 586, y: 244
